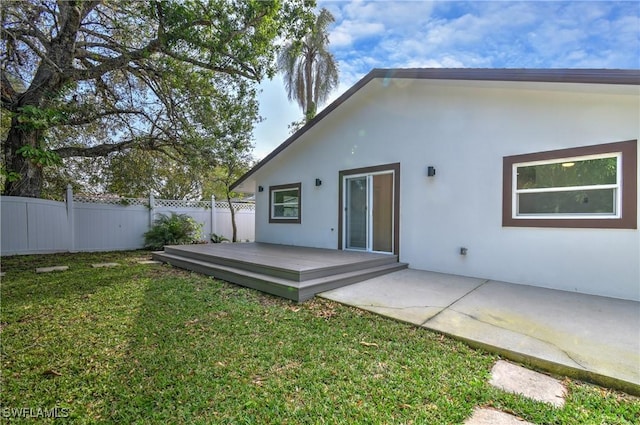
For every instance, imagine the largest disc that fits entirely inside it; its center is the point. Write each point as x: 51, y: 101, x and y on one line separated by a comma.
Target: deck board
x: 286, y: 256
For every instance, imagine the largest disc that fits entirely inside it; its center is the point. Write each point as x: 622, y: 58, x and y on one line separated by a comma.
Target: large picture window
x: 285, y: 203
x: 571, y: 187
x: 592, y: 186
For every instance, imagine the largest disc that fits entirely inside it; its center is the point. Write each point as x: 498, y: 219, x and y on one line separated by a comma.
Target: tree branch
x: 147, y: 143
x: 117, y: 62
x: 81, y: 46
x: 251, y: 74
x: 43, y: 55
x: 87, y: 7
x: 8, y: 92
x: 91, y: 118
x: 20, y: 32
x: 98, y: 35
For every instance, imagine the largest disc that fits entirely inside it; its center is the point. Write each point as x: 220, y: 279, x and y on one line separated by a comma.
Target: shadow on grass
x: 21, y: 284
x: 176, y: 363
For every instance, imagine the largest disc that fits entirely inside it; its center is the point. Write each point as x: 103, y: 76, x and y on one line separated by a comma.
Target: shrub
x: 176, y: 229
x: 215, y: 238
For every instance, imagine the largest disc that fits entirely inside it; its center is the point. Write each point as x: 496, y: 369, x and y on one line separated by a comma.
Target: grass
x: 154, y: 344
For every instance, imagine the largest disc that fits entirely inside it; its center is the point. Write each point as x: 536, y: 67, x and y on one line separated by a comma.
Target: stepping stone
x: 52, y: 269
x: 2, y: 274
x: 537, y: 386
x: 98, y: 265
x: 149, y: 262
x: 482, y: 416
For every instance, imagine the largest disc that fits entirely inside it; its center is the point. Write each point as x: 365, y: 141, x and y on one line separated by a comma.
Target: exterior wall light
x: 431, y: 171
x: 318, y: 182
x: 260, y: 189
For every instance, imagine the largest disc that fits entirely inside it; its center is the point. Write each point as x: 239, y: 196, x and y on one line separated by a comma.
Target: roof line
x: 584, y: 76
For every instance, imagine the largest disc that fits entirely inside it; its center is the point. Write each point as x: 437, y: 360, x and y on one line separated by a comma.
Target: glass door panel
x: 356, y: 214
x: 382, y: 212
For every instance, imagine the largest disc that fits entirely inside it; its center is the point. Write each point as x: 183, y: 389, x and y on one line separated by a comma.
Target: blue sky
x: 462, y: 34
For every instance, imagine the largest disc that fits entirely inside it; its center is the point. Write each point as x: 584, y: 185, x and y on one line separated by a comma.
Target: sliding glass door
x: 368, y: 214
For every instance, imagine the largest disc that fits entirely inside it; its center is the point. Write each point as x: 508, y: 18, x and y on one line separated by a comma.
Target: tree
x: 233, y: 157
x: 310, y: 70
x: 137, y: 174
x: 220, y: 181
x: 105, y: 78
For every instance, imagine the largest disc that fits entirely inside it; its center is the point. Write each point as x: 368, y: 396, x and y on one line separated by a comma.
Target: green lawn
x: 153, y: 344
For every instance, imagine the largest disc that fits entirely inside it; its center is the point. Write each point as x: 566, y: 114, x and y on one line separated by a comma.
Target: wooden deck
x: 293, y: 272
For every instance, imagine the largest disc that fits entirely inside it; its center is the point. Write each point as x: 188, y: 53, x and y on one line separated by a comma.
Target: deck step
x: 286, y: 288
x: 309, y: 289
x: 286, y: 265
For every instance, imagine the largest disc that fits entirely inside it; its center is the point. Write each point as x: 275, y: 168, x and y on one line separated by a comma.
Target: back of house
x: 524, y: 176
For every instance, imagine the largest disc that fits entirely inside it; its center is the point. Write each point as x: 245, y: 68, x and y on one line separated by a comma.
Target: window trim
x: 626, y: 210
x: 280, y: 188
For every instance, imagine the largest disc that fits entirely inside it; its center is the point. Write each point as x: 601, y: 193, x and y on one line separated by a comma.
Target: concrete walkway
x: 591, y: 338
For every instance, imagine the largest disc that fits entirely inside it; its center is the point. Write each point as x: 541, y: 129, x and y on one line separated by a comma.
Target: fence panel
x: 245, y: 224
x: 106, y: 227
x: 15, y: 229
x: 32, y: 226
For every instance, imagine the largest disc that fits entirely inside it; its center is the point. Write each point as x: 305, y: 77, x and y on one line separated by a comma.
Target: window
x: 284, y: 203
x: 593, y: 186
x: 581, y: 187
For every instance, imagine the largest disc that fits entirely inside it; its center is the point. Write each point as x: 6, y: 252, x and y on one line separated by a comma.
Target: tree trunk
x: 30, y: 181
x: 308, y: 76
x: 50, y: 77
x: 233, y: 219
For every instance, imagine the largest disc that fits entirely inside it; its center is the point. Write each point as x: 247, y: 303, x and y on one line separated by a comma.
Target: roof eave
x: 578, y: 76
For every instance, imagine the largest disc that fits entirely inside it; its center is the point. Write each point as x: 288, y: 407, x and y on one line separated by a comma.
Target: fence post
x: 71, y: 219
x: 213, y: 214
x: 152, y: 207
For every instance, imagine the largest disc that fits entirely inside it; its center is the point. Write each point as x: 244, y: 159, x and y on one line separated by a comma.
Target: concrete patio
x: 587, y: 337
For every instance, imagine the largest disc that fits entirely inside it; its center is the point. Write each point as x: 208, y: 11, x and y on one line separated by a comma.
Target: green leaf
x: 40, y: 157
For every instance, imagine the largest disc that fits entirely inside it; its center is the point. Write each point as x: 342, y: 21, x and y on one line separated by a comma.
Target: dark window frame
x: 277, y: 188
x: 629, y: 188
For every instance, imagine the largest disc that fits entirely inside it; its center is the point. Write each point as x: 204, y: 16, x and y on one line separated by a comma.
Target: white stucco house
x: 524, y: 176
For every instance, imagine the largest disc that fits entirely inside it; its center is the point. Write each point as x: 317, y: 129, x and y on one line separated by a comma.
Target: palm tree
x: 310, y: 70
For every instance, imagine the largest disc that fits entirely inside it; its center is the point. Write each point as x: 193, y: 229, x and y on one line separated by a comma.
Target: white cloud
x: 358, y: 20
x: 443, y: 62
x: 347, y: 31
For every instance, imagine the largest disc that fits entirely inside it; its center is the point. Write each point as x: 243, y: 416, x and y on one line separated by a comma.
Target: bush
x: 218, y: 238
x: 176, y: 229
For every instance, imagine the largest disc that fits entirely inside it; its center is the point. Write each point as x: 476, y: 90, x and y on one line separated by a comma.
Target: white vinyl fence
x: 33, y: 226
